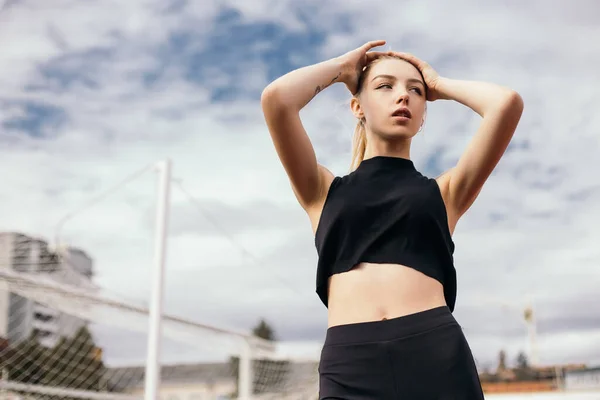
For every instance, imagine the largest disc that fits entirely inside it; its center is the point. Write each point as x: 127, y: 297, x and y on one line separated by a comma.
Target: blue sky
x: 95, y: 91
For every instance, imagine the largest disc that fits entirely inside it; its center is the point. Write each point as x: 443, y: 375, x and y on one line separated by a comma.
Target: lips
x: 402, y: 112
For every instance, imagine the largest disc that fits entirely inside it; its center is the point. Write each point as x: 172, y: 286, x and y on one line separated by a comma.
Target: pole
x: 535, y: 360
x: 245, y: 372
x: 152, y: 376
x: 530, y: 319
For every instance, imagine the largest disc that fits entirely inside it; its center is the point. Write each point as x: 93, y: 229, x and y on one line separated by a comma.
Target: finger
x: 374, y: 43
x: 420, y: 64
x: 410, y: 57
x: 406, y: 56
x: 375, y: 54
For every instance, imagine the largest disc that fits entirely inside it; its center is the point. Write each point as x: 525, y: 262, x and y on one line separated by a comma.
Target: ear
x: 356, y: 108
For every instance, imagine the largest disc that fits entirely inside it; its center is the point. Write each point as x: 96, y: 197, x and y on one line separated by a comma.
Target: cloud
x: 94, y: 92
x: 33, y: 119
x: 230, y: 219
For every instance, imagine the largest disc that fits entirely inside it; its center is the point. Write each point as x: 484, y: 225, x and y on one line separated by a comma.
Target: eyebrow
x: 412, y: 80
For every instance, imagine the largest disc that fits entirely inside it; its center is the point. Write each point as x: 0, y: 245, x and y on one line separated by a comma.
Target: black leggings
x: 421, y: 356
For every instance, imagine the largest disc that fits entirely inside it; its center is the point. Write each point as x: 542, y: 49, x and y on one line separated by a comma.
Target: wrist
x: 441, y: 88
x: 342, y: 69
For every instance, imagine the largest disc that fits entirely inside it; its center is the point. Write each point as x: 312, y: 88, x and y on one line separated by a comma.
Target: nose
x: 402, y: 97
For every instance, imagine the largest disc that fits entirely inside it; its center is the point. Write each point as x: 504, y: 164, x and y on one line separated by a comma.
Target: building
x: 582, y: 379
x: 20, y: 317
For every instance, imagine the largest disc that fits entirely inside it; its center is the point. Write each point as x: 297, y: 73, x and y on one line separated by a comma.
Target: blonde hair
x: 359, y: 145
x: 359, y: 141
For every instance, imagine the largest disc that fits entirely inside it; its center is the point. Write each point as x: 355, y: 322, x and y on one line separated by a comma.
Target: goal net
x: 63, y: 337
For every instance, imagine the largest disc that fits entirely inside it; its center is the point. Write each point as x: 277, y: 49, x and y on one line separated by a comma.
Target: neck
x: 389, y: 148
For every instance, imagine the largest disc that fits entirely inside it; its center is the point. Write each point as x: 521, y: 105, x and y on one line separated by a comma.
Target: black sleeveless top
x: 385, y: 212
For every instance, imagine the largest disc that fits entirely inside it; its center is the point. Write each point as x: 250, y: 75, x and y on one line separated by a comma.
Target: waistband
x: 390, y: 329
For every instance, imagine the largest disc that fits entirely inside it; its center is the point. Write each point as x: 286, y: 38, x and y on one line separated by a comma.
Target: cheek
x: 371, y: 110
x: 376, y: 116
x: 418, y: 117
x: 418, y: 110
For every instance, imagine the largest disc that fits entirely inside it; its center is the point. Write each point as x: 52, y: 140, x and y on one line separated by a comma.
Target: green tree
x: 23, y: 361
x: 501, y: 361
x: 72, y: 363
x: 522, y: 361
x: 264, y: 331
x: 523, y: 371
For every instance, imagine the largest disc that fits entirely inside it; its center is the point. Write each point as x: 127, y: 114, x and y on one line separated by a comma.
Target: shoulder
x: 425, y: 180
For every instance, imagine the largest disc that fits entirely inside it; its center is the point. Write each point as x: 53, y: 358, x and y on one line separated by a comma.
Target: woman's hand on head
x: 429, y: 74
x: 354, y: 61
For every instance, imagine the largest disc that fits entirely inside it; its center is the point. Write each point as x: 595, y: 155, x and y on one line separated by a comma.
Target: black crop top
x: 385, y: 212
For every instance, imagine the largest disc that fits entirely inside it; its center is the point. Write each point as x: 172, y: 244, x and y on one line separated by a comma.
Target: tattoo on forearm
x: 319, y: 88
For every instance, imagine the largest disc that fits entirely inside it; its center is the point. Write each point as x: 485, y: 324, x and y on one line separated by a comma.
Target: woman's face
x: 392, y: 100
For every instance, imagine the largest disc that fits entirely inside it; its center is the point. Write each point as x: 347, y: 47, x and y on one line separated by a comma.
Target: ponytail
x: 359, y: 145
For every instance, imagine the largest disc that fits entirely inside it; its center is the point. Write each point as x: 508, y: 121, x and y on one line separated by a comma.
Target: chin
x: 399, y: 133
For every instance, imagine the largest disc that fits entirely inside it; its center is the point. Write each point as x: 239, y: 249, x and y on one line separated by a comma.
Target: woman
x: 384, y: 231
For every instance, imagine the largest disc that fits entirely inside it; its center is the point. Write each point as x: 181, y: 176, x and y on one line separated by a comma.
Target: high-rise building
x: 20, y: 317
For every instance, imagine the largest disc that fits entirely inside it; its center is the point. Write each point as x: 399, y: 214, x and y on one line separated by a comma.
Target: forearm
x: 297, y: 88
x: 482, y: 97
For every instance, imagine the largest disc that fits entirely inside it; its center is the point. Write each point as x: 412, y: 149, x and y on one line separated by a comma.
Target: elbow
x: 268, y: 95
x: 516, y: 106
x: 276, y: 99
x: 515, y: 101
x: 511, y: 106
x: 271, y: 99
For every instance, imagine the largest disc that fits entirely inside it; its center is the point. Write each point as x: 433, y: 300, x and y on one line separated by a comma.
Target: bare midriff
x: 375, y: 292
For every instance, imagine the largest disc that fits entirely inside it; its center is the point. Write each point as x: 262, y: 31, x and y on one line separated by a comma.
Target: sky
x: 93, y: 92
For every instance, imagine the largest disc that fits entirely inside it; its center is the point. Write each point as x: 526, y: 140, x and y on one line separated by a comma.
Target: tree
x: 522, y: 361
x: 22, y: 361
x: 72, y: 363
x: 264, y: 331
x: 501, y: 361
x: 523, y: 372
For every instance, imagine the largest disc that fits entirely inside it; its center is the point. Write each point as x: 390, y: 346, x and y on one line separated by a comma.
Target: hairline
x: 368, y: 68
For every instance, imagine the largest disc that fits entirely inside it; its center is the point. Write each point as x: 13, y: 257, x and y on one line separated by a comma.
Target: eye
x: 384, y: 85
x: 417, y: 90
